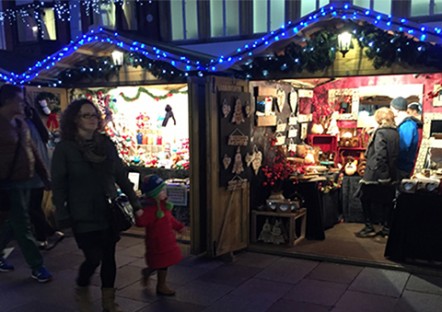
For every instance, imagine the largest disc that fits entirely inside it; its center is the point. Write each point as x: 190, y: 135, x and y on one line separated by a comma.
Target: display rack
x: 327, y: 143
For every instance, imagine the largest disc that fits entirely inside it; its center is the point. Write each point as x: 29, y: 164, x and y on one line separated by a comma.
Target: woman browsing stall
x: 378, y: 183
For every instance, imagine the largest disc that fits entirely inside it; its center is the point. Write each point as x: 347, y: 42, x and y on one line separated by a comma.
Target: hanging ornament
x: 226, y: 108
x: 293, y: 101
x: 280, y: 96
x: 257, y: 160
x: 238, y: 165
x: 226, y: 161
x: 249, y: 158
x: 277, y: 235
x: 266, y: 232
x: 238, y: 117
x: 248, y: 109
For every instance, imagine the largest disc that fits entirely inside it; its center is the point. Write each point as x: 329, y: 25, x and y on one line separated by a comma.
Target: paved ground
x: 253, y: 282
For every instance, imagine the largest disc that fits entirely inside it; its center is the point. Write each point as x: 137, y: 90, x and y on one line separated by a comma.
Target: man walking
x: 19, y: 161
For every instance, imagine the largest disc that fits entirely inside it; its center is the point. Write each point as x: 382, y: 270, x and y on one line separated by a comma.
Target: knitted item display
x: 151, y: 186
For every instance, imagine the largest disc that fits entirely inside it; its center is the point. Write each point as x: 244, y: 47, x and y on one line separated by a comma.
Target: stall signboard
x: 177, y: 194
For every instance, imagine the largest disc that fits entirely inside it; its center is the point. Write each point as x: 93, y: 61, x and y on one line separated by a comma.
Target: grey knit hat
x: 399, y: 103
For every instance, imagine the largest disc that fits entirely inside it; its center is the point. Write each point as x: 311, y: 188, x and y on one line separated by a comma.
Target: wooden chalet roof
x: 101, y: 43
x: 330, y: 17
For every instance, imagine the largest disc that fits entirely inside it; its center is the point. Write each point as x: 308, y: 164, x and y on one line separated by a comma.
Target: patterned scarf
x: 92, y: 150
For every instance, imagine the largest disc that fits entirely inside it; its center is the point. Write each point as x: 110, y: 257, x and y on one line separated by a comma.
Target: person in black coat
x: 377, y: 190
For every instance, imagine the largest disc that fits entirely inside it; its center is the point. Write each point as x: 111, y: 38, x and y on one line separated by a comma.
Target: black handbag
x: 123, y: 217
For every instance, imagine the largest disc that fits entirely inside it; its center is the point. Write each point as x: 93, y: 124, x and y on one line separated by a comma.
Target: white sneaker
x: 43, y: 245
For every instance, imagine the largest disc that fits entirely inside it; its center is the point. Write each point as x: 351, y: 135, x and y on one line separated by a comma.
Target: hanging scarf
x: 93, y: 150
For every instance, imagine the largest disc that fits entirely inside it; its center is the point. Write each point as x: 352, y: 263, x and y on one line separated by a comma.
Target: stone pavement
x: 252, y: 282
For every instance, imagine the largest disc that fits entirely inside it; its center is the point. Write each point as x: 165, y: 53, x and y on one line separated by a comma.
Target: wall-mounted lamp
x: 118, y: 58
x: 344, y: 42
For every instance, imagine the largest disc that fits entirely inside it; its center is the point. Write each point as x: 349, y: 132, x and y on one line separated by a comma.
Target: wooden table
x: 293, y: 237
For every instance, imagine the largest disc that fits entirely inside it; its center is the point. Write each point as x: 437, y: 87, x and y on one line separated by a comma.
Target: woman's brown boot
x: 162, y: 288
x: 83, y: 299
x: 108, y: 300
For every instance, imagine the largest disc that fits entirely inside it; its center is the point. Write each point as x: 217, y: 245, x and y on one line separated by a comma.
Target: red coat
x: 162, y: 249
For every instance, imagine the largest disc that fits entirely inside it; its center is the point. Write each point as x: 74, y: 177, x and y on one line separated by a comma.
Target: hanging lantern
x: 344, y: 42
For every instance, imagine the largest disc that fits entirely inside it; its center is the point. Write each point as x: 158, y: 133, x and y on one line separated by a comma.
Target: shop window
x: 268, y: 15
x: 2, y: 32
x: 129, y: 15
x: 27, y: 26
x: 381, y: 6
x: 34, y: 25
x: 425, y: 7
x: 75, y: 20
x: 104, y: 14
x: 48, y: 28
x: 184, y: 19
x: 308, y: 6
x: 224, y: 18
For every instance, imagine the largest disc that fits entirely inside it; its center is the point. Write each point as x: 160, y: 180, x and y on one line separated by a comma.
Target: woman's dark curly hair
x: 68, y: 124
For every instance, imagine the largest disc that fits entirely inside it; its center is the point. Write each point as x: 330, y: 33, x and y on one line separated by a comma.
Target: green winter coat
x: 81, y: 188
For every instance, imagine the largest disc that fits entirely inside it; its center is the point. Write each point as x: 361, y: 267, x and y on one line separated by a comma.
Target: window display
x: 150, y: 125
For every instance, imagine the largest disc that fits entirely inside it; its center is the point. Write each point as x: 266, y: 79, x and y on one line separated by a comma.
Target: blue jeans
x: 17, y: 226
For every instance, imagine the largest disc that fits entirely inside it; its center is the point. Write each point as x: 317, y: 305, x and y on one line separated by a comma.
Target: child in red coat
x: 162, y: 249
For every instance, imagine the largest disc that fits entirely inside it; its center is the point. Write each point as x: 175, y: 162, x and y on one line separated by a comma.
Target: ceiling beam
x: 88, y: 52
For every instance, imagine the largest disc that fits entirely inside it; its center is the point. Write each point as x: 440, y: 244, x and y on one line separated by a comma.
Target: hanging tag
x: 305, y: 117
x: 237, y: 138
x: 236, y: 183
x: 280, y: 139
x: 292, y: 146
x: 293, y: 120
x: 280, y: 126
x: 293, y: 132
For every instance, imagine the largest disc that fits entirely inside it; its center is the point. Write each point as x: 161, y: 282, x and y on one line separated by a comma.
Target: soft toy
x: 49, y: 105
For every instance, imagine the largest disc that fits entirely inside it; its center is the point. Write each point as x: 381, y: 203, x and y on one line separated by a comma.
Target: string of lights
x: 396, y: 27
x: 344, y: 12
x: 62, y: 8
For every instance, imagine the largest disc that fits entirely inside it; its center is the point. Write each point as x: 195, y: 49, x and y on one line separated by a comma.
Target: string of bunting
x: 155, y: 97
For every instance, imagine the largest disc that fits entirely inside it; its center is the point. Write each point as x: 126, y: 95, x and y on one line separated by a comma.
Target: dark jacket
x: 27, y: 162
x: 381, y: 155
x: 81, y: 188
